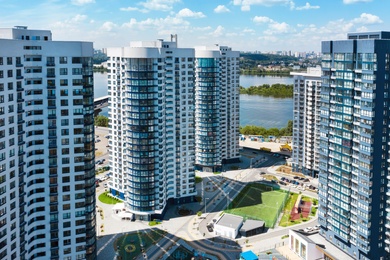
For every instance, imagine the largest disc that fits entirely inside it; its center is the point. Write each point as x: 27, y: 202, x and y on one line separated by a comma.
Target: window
x: 76, y: 60
x: 10, y: 73
x: 63, y: 82
x: 63, y: 60
x: 65, y: 150
x: 9, y: 60
x: 64, y: 102
x: 77, y: 71
x: 64, y: 131
x: 65, y: 169
x: 65, y: 160
x: 63, y: 71
x: 64, y: 112
x: 64, y: 122
x: 65, y: 141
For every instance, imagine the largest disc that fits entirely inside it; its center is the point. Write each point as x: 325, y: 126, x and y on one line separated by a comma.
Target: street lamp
x: 205, y: 205
x: 251, y: 163
x: 227, y: 200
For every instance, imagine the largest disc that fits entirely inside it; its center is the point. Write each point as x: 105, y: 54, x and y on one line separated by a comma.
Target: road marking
x: 106, y: 244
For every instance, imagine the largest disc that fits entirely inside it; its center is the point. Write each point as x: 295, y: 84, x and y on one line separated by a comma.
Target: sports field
x: 260, y: 202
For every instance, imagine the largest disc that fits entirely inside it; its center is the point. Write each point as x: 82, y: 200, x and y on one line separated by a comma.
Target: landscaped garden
x: 131, y: 245
x: 107, y: 199
x: 260, y: 202
x: 298, y: 212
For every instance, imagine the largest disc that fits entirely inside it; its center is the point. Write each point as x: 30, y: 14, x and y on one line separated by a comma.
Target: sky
x: 244, y: 25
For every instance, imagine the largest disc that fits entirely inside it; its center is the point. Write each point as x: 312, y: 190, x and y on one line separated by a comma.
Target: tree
x: 101, y: 121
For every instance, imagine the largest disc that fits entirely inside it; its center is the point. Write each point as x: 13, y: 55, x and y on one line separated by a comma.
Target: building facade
x: 306, y: 121
x: 165, y: 111
x: 217, y: 102
x: 152, y: 138
x: 47, y: 171
x: 353, y: 148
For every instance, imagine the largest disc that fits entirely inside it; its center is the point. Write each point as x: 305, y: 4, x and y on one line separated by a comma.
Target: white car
x: 308, y: 229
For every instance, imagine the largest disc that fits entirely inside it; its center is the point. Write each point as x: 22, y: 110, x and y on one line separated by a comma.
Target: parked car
x: 287, y: 180
x: 296, y: 177
x: 209, y: 228
x: 308, y: 229
x: 282, y: 179
x: 306, y: 180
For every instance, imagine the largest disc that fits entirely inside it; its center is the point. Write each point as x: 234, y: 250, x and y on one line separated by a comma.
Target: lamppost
x: 227, y: 200
x: 251, y: 163
x: 205, y: 205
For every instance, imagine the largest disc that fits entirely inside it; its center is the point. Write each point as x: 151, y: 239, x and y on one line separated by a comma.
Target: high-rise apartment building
x: 354, y: 144
x: 47, y: 171
x: 152, y: 138
x: 167, y: 108
x: 217, y: 102
x: 306, y: 121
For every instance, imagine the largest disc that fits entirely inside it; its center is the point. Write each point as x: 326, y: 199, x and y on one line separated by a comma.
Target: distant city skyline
x: 246, y: 25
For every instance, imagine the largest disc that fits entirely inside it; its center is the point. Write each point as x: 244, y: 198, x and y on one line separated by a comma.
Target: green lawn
x: 258, y: 201
x: 131, y: 244
x: 285, y: 221
x: 104, y: 198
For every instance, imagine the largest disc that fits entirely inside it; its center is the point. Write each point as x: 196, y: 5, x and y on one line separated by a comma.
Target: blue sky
x: 245, y: 25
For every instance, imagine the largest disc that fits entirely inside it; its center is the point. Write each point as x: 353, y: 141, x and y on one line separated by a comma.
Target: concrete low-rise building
x: 252, y: 228
x: 312, y: 245
x: 228, y: 225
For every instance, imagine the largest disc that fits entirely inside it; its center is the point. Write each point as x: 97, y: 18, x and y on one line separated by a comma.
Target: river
x: 254, y: 110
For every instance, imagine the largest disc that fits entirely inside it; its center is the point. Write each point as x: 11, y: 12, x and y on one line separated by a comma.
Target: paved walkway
x: 217, y: 190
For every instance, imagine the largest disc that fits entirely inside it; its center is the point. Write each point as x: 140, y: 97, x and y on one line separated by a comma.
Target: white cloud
x: 245, y: 8
x: 82, y: 2
x: 347, y: 2
x: 278, y: 28
x: 307, y: 6
x: 202, y: 29
x: 274, y: 27
x: 262, y: 19
x: 78, y: 18
x: 159, y: 5
x: 367, y: 19
x: 218, y: 32
x: 158, y: 23
x: 246, y: 30
x: 188, y: 13
x: 221, y: 9
x: 246, y: 4
x: 108, y: 26
x: 130, y: 9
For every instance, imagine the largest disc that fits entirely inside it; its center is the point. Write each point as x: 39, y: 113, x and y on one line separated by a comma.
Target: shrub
x: 199, y: 213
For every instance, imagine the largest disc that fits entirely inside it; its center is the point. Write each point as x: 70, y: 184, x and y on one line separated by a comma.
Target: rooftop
x: 324, y: 245
x: 250, y: 224
x: 229, y: 220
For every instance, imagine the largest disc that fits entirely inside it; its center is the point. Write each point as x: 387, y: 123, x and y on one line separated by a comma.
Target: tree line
x: 276, y: 90
x: 258, y: 130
